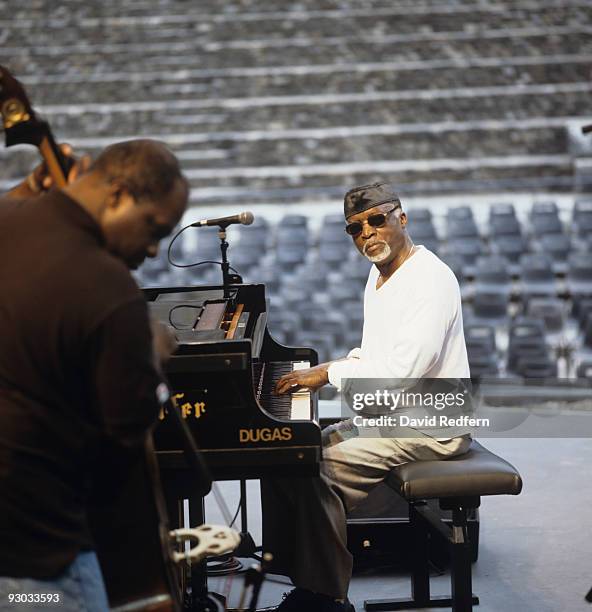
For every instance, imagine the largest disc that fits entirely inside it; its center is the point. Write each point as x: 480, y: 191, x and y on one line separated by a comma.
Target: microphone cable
x: 191, y: 265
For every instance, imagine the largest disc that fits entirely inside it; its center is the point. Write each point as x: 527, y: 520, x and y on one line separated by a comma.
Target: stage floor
x: 535, y: 552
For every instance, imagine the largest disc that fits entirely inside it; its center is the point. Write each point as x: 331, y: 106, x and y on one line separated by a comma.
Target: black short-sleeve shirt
x: 75, y: 369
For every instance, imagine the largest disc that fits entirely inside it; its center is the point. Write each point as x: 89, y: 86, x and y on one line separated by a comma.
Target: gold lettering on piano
x: 187, y: 409
x: 265, y: 434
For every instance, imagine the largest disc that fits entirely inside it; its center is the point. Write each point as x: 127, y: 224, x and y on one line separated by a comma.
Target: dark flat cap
x: 362, y: 198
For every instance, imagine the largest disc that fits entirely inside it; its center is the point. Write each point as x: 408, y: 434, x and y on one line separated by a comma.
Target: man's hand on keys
x: 311, y: 378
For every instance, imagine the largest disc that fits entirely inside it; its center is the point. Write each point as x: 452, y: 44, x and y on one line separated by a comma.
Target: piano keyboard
x: 294, y: 406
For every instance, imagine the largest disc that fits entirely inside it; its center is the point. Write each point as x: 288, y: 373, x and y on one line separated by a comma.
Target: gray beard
x: 380, y: 255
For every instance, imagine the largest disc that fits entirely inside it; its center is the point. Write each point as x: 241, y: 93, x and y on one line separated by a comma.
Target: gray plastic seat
x: 468, y: 249
x: 544, y: 218
x: 584, y: 370
x: 512, y: 247
x: 462, y: 228
x: 582, y: 217
x: 419, y: 214
x: 333, y: 253
x: 480, y: 335
x: 550, y: 310
x: 292, y: 235
x: 504, y: 226
x: 558, y: 246
x: 492, y: 274
x: 579, y: 274
x: 490, y: 305
x: 293, y: 220
x: 536, y: 275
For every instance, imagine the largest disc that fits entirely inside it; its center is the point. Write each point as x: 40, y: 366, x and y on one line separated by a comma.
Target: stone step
x: 230, y: 9
x: 69, y: 28
x: 344, y: 145
x: 374, y: 77
x: 317, y: 184
x: 189, y: 49
x: 320, y: 111
x: 137, y: 66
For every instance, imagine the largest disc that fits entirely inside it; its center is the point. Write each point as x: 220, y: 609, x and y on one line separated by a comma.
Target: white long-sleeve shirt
x: 412, y: 325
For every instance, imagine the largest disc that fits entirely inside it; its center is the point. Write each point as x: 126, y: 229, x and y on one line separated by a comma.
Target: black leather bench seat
x: 478, y: 472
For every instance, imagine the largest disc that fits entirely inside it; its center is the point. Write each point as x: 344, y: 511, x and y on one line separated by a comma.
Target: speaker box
x: 378, y: 532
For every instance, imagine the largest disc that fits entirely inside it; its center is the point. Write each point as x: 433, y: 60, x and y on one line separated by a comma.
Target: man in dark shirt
x: 76, y: 359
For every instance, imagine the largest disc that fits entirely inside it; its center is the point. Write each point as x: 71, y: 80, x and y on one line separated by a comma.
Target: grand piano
x: 222, y: 378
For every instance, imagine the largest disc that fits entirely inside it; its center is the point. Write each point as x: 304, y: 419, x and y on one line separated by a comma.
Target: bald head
x: 137, y: 194
x: 145, y: 168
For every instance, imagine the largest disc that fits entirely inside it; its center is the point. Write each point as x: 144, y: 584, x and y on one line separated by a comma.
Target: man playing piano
x: 76, y: 359
x: 412, y: 329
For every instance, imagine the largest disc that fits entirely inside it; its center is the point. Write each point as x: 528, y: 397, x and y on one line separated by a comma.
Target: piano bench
x: 458, y: 483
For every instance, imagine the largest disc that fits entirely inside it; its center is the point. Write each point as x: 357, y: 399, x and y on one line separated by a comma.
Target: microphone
x: 244, y: 218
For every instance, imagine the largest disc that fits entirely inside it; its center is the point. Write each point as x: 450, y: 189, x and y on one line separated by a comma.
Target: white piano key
x: 301, y: 403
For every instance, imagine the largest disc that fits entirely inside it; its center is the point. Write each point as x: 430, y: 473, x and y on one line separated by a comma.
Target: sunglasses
x: 377, y: 220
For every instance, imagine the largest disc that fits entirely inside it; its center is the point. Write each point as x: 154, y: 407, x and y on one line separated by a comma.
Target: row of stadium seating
x: 525, y: 316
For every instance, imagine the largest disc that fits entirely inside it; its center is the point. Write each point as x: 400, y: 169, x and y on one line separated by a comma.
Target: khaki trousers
x: 304, y: 519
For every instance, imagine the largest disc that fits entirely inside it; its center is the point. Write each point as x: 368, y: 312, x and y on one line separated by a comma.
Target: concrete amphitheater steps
x: 346, y: 144
x: 258, y: 99
x: 68, y: 27
x: 142, y: 63
x: 343, y: 79
x: 321, y: 111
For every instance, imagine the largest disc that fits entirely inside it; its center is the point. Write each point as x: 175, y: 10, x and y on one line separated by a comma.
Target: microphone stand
x: 225, y: 264
x: 227, y: 277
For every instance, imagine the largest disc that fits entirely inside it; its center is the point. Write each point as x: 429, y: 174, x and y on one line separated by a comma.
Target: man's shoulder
x: 111, y: 274
x: 430, y: 260
x: 435, y: 274
x: 104, y: 283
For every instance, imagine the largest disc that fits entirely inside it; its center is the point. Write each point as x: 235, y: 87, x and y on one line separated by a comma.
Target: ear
x: 403, y: 219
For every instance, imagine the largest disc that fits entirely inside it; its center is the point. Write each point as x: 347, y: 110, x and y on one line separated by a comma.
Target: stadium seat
x: 419, y: 214
x: 504, y: 226
x: 490, y: 306
x: 579, y: 274
x: 584, y: 370
x: 582, y: 217
x: 461, y: 228
x: 544, y: 219
x: 321, y: 341
x: 480, y: 335
x: 468, y: 249
x: 557, y: 246
x: 501, y: 210
x: 537, y: 277
x: 550, y: 310
x: 293, y: 220
x: 492, y: 274
x: 332, y: 253
x: 292, y: 235
x: 512, y: 247
x: 481, y: 350
x: 244, y: 257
